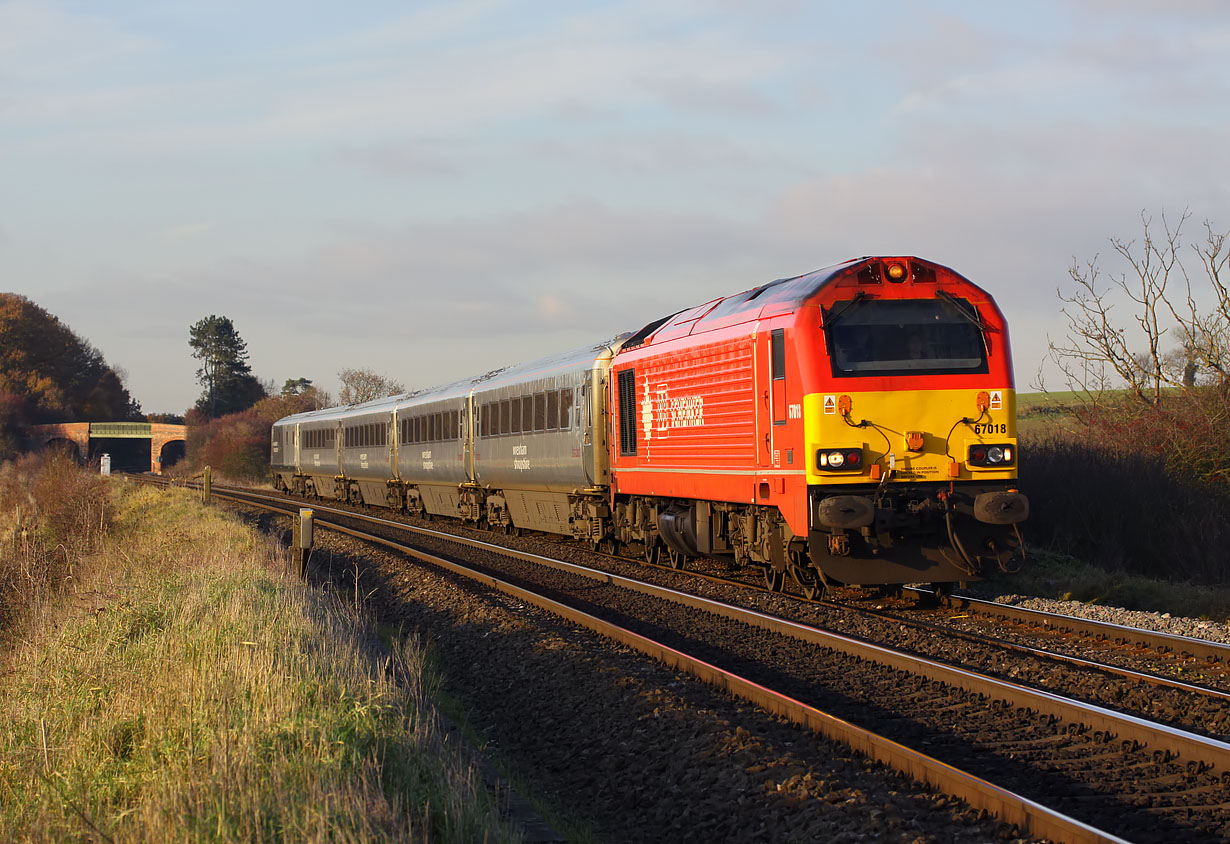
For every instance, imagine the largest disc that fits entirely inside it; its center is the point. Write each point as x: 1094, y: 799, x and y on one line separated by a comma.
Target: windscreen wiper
x: 973, y: 319
x: 831, y: 316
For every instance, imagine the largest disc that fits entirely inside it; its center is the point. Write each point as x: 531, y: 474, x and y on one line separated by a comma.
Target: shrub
x: 1120, y: 500
x: 237, y: 445
x: 52, y: 513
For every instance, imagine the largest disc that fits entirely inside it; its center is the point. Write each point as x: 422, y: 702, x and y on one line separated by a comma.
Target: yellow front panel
x: 893, y: 416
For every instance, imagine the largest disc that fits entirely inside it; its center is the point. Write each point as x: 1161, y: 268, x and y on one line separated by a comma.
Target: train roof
x: 774, y: 297
x: 568, y: 361
x: 540, y: 368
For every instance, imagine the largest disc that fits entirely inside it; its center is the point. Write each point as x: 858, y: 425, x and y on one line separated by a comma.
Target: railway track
x: 1118, y: 773
x: 1144, y: 656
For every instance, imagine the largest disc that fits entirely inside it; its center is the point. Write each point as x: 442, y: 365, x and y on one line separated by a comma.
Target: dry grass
x: 51, y: 515
x: 189, y: 689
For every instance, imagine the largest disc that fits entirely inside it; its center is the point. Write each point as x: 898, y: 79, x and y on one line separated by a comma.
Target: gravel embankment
x: 628, y: 750
x: 1196, y: 628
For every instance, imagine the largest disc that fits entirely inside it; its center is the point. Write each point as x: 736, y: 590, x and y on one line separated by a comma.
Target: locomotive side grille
x: 627, y: 413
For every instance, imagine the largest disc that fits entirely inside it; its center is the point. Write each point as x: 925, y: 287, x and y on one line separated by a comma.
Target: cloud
x: 41, y: 40
x: 187, y: 231
x: 411, y: 159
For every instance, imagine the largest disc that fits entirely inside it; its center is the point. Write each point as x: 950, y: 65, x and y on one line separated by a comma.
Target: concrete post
x: 304, y: 537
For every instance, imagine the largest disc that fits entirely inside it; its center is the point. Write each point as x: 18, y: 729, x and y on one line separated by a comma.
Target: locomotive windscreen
x: 905, y: 337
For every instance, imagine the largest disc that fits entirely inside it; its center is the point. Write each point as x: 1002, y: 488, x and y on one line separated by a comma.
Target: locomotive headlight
x: 896, y: 272
x: 839, y: 459
x: 1000, y: 454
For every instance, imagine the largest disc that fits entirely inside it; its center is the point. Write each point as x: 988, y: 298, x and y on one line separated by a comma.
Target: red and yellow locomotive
x: 855, y: 425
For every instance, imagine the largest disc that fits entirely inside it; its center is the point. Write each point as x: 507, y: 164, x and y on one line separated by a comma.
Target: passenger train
x: 852, y: 426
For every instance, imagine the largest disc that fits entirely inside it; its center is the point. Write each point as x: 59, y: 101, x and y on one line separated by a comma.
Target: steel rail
x: 1120, y: 633
x: 1028, y: 815
x: 1015, y: 647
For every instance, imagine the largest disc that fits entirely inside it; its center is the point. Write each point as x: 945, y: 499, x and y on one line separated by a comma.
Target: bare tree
x: 360, y: 385
x: 1178, y: 333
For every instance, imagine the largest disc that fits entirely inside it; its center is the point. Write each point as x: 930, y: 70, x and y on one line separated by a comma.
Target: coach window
x: 514, y: 415
x: 540, y: 411
x: 553, y: 410
x: 565, y: 408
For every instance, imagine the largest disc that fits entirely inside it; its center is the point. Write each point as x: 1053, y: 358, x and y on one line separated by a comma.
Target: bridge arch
x: 167, y: 442
x: 65, y: 446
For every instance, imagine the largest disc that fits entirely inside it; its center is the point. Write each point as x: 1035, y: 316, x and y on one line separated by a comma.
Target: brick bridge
x: 80, y: 435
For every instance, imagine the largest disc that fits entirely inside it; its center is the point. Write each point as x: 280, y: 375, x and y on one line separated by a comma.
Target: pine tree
x: 224, y: 373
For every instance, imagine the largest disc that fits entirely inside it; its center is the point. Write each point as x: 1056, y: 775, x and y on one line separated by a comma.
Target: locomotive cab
x: 912, y: 430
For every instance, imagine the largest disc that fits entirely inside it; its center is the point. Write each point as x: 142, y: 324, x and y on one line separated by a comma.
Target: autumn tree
x: 227, y: 379
x: 360, y: 385
x: 50, y: 374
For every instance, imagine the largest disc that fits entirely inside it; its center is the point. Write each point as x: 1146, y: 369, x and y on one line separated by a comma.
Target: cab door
x: 771, y: 391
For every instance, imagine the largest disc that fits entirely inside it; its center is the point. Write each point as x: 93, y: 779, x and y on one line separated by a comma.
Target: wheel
x: 810, y: 584
x: 653, y: 550
x: 774, y: 580
x: 675, y: 559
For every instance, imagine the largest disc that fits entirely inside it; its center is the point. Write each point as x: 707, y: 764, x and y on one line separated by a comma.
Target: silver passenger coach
x: 522, y: 447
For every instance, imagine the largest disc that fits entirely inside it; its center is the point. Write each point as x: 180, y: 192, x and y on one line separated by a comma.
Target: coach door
x: 472, y: 428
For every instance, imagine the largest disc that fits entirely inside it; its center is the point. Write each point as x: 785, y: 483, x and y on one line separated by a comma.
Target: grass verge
x: 191, y: 690
x: 1050, y: 574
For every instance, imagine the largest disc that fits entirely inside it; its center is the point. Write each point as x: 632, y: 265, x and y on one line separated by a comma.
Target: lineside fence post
x: 206, y: 485
x: 303, y: 535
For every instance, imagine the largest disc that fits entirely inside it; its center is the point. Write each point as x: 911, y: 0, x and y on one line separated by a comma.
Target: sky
x: 431, y: 190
